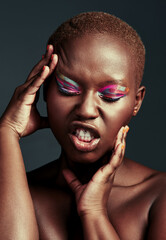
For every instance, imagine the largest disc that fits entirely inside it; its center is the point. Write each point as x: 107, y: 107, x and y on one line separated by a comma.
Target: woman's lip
x: 84, y: 146
x: 89, y: 127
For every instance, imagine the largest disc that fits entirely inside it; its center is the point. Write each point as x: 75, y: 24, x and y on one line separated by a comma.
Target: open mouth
x: 84, y: 138
x: 84, y: 135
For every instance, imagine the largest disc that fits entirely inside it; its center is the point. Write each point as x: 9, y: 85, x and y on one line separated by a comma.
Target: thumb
x: 72, y: 180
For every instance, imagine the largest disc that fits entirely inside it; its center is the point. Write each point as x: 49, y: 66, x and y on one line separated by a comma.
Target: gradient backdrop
x: 24, y: 29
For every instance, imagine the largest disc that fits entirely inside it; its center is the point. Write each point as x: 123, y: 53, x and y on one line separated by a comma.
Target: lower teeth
x: 84, y: 139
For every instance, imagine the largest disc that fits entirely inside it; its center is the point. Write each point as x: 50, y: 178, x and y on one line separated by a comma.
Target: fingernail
x: 43, y: 68
x: 48, y: 47
x: 124, y: 130
x: 127, y: 129
x: 52, y: 56
x: 123, y: 146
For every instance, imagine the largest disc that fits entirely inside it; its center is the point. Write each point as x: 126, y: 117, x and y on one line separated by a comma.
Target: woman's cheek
x: 57, y: 104
x: 121, y: 110
x: 118, y: 115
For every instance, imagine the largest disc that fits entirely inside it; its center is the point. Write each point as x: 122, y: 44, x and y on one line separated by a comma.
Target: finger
x: 121, y: 142
x: 107, y: 172
x: 37, y: 97
x: 28, y: 93
x: 53, y: 63
x: 72, y: 180
x: 116, y: 159
x: 126, y: 129
x: 44, y: 61
x: 119, y: 137
x: 54, y: 60
x: 124, y: 139
x: 38, y: 81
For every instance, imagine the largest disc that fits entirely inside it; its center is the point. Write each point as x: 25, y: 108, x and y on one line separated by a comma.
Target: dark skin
x: 96, y: 194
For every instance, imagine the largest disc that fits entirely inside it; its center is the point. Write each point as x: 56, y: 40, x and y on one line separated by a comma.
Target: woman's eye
x: 113, y: 93
x: 109, y: 98
x: 68, y: 87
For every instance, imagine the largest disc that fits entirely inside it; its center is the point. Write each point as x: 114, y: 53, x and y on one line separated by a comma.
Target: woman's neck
x: 84, y: 172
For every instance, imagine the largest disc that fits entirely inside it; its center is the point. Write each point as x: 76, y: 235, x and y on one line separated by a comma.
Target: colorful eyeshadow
x: 113, y: 92
x: 66, y: 85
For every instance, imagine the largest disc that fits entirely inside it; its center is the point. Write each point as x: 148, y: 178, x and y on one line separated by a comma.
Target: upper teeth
x: 84, y: 135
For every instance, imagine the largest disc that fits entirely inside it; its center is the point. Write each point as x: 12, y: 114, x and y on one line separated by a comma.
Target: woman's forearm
x: 98, y: 227
x: 17, y: 217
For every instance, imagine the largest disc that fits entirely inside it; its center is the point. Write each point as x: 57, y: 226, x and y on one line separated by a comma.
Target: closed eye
x: 110, y: 98
x: 113, y: 93
x: 67, y: 86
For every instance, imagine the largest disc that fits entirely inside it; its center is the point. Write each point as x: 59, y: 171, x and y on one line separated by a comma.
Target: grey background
x: 24, y: 29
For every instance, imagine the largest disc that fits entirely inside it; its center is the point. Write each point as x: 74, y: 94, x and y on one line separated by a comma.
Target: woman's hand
x: 21, y: 114
x: 92, y: 198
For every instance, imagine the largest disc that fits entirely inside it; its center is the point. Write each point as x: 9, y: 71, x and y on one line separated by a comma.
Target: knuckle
x: 77, y: 187
x: 19, y: 91
x: 114, y: 167
x: 120, y: 155
x: 33, y: 86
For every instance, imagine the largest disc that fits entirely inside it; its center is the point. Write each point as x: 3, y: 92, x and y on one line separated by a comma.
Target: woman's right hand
x: 21, y: 114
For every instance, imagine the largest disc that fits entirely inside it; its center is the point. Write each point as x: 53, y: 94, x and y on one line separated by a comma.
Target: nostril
x: 87, y: 112
x: 87, y: 108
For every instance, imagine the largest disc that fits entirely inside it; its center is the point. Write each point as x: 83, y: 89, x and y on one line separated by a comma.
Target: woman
x: 91, y: 72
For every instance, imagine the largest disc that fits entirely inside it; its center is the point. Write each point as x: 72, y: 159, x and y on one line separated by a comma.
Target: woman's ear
x: 138, y: 99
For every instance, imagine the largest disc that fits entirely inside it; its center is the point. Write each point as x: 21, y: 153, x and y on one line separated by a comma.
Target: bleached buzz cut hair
x: 103, y: 23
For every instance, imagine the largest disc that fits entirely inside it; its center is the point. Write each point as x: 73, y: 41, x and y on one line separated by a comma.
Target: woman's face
x: 91, y: 95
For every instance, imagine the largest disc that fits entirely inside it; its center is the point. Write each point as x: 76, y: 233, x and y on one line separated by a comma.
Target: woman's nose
x: 87, y: 108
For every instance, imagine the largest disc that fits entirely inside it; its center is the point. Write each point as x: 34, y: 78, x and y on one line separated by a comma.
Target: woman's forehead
x: 93, y: 57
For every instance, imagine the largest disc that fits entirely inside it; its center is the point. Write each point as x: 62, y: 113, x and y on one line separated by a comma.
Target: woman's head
x: 102, y: 23
x: 92, y: 93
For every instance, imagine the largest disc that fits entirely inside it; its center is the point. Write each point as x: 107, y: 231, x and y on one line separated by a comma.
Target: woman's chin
x: 83, y: 158
x: 88, y: 158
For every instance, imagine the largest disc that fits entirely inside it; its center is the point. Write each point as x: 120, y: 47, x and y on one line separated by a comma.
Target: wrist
x: 93, y: 215
x: 5, y: 129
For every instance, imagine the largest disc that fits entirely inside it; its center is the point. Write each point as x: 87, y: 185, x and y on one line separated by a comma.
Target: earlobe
x: 138, y: 99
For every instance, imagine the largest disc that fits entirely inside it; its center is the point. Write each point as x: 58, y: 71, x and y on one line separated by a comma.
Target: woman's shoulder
x: 135, y: 173
x: 147, y: 177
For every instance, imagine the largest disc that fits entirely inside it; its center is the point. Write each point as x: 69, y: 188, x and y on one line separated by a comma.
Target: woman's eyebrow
x: 112, y: 82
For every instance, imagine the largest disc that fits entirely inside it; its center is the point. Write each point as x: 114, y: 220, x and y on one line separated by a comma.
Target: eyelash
x: 68, y: 92
x: 108, y: 99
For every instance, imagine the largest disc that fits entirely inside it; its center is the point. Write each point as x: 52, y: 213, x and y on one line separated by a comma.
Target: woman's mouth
x: 84, y: 139
x: 84, y: 135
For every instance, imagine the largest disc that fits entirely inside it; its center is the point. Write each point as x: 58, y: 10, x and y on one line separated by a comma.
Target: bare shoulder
x: 137, y: 173
x: 152, y: 189
x: 139, y: 196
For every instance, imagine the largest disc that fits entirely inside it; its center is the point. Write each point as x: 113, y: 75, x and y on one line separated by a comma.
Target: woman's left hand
x: 92, y: 198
